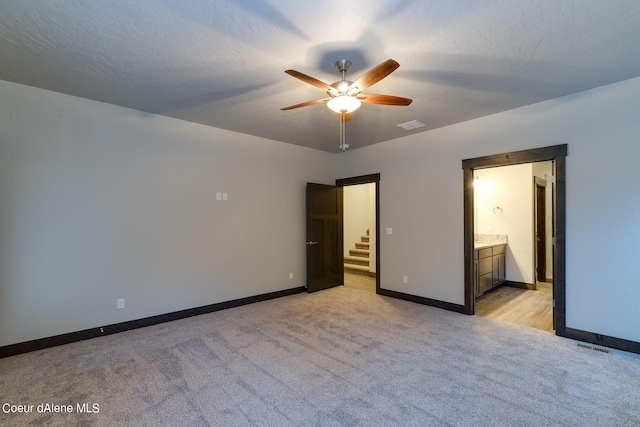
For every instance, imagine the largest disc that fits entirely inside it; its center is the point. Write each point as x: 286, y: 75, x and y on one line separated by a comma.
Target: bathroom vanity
x: 489, y: 266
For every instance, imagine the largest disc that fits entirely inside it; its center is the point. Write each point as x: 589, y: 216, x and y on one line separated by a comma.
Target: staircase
x: 357, y: 262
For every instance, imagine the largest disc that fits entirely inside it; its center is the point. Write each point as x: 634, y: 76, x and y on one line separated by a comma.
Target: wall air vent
x: 413, y: 124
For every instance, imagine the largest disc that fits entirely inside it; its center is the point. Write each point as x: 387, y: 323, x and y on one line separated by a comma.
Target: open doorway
x: 361, y: 232
x: 512, y: 213
x: 359, y: 221
x: 557, y: 154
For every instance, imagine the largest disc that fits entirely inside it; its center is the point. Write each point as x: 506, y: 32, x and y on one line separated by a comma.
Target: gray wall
x: 421, y: 199
x: 99, y: 202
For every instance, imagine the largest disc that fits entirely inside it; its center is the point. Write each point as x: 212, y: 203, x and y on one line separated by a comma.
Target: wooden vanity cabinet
x: 499, y: 270
x: 490, y: 269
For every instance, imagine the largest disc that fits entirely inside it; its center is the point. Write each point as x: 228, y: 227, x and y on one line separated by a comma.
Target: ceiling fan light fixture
x: 344, y: 104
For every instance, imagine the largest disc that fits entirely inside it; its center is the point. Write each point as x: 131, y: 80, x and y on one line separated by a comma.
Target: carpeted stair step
x: 363, y: 245
x: 364, y: 238
x: 359, y: 252
x: 356, y: 260
x: 356, y: 269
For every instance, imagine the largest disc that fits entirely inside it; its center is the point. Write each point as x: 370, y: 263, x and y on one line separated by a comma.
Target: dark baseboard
x: 603, y: 340
x: 520, y: 285
x: 423, y: 300
x: 42, y: 343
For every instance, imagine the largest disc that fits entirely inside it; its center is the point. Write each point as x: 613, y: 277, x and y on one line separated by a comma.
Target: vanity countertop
x: 481, y: 245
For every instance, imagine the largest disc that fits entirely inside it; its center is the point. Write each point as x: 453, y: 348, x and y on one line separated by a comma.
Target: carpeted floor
x: 340, y: 357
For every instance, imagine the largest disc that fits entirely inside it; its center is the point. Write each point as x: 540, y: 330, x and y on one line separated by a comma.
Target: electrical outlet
x: 218, y: 196
x: 389, y: 230
x: 120, y: 303
x: 225, y: 196
x: 290, y: 276
x: 405, y: 280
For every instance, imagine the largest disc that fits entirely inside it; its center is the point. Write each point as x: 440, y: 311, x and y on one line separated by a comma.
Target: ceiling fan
x: 346, y: 96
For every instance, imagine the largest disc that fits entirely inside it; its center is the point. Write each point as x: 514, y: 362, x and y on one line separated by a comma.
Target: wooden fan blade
x: 373, y: 76
x: 312, y: 81
x: 305, y: 104
x: 384, y: 99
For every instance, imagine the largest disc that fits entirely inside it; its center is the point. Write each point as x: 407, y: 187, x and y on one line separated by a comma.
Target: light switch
x: 218, y: 196
x: 225, y: 196
x: 389, y: 230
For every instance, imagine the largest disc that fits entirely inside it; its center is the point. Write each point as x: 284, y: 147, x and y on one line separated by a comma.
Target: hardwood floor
x: 520, y: 306
x: 532, y: 308
x: 360, y: 282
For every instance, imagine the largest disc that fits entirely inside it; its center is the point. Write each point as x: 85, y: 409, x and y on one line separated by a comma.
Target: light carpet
x: 340, y: 357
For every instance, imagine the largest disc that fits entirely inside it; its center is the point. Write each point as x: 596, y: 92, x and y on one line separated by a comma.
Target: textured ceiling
x: 221, y: 62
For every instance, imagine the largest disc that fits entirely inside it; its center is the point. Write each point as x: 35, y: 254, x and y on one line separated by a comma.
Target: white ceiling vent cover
x: 413, y: 124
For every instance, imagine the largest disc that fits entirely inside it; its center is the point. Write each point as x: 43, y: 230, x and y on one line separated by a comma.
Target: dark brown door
x: 325, y: 258
x: 541, y: 234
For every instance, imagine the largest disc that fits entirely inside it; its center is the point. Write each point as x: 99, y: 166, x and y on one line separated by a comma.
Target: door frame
x: 557, y: 154
x: 540, y: 224
x: 369, y: 179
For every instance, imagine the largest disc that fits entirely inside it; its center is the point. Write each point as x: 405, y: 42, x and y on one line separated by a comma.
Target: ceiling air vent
x: 413, y: 124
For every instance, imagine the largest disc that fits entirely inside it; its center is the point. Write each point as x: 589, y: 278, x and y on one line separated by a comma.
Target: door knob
x: 312, y: 243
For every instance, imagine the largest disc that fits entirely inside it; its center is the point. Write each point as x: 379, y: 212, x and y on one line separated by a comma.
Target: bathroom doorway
x: 511, y: 217
x: 557, y: 155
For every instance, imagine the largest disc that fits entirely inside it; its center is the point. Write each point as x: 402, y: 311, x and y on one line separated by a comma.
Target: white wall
x: 99, y: 202
x: 509, y: 188
x: 356, y: 214
x: 360, y: 216
x: 544, y: 170
x: 421, y: 199
x: 372, y: 228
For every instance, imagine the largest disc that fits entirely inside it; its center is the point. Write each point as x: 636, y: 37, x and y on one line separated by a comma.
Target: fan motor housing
x: 343, y: 65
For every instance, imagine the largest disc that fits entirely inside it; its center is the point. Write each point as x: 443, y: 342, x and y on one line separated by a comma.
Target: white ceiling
x: 221, y: 62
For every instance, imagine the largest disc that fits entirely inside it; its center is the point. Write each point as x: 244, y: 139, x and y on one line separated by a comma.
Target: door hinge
x: 554, y: 303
